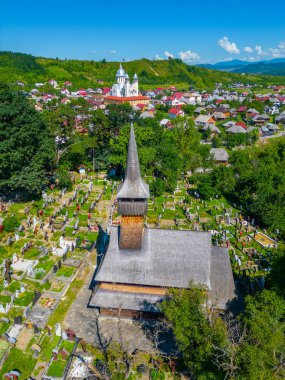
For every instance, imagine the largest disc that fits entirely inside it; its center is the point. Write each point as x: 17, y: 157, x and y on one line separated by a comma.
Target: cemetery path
x: 79, y: 316
x: 24, y: 339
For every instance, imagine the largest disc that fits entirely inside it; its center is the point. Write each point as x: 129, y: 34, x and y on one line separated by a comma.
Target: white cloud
x: 229, y: 47
x: 248, y: 49
x: 188, y: 55
x: 157, y: 57
x: 278, y: 52
x: 93, y: 52
x: 259, y: 50
x: 251, y: 59
x: 168, y: 55
x: 113, y: 51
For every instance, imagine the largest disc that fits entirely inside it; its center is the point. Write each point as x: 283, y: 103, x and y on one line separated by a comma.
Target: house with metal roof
x: 219, y: 154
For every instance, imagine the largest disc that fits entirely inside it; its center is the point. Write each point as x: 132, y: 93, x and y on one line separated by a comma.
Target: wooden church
x: 140, y: 264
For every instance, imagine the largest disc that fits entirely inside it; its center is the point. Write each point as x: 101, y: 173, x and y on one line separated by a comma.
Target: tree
x: 196, y: 332
x: 157, y: 187
x: 187, y: 140
x: 118, y: 115
x: 262, y: 355
x: 27, y: 151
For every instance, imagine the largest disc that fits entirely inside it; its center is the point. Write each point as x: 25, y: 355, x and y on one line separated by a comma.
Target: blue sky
x: 196, y: 31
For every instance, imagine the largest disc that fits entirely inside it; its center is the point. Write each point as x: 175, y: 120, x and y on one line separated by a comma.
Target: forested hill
x: 30, y: 69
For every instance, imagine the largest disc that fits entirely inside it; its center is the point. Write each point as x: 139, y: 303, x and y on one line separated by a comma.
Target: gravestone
x: 58, y: 330
x: 8, y: 307
x: 15, y: 258
x: 27, y: 311
x: 37, y: 296
x: 83, y: 345
x: 71, y: 334
x: 18, y: 320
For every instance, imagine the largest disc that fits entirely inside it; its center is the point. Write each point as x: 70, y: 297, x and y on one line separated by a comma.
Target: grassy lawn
x: 3, y: 347
x: 3, y: 328
x: 45, y: 265
x: 24, y: 299
x: 67, y: 345
x: 14, y: 312
x: 19, y: 360
x: 63, y: 306
x: 32, y: 254
x: 15, y: 285
x: 57, y: 368
x: 47, y: 345
x: 65, y: 272
x: 4, y: 299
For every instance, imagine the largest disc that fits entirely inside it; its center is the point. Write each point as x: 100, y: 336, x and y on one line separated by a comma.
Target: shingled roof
x: 167, y: 258
x: 133, y: 186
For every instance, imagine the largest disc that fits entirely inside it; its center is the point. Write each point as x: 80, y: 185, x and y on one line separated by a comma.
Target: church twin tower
x: 123, y: 87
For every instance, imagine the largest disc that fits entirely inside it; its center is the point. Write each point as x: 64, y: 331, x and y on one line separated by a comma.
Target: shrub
x: 10, y: 223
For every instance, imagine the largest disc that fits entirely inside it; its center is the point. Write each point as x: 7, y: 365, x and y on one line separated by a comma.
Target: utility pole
x: 93, y: 161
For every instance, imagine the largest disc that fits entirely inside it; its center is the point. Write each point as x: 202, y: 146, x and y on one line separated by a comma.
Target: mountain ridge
x: 274, y: 66
x: 30, y: 69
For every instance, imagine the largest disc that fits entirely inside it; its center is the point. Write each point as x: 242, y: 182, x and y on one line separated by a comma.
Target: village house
x: 220, y: 155
x: 165, y: 122
x: 260, y: 119
x: 53, y: 83
x: 219, y: 115
x: 281, y: 118
x: 175, y: 112
x: 213, y: 129
x: 192, y: 97
x: 203, y: 120
x: 64, y: 91
x: 236, y: 129
x: 146, y: 115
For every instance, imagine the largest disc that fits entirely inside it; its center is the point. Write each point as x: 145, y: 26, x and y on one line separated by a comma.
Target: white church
x: 123, y: 87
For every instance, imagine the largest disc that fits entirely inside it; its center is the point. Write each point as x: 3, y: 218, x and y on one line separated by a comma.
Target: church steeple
x: 132, y: 200
x: 133, y: 186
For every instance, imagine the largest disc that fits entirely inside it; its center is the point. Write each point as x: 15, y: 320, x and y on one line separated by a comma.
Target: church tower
x: 121, y: 75
x: 132, y: 200
x: 135, y: 86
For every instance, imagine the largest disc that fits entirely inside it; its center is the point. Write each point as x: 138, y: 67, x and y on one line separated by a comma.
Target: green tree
x: 157, y: 187
x: 195, y: 331
x: 187, y: 140
x: 261, y: 356
x: 27, y: 151
x: 118, y: 115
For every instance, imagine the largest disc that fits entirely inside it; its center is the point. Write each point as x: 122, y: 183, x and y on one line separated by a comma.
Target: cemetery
x: 50, y: 250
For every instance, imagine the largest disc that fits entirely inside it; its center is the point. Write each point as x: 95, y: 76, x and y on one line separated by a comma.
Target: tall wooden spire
x: 132, y: 200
